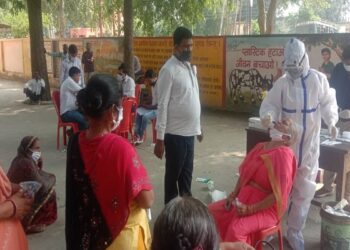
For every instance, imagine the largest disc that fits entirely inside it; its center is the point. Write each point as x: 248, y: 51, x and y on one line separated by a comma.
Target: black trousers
x: 179, y: 154
x: 32, y: 96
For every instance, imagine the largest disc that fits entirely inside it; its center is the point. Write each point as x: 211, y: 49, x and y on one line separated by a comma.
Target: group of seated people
x: 146, y: 111
x: 114, y: 216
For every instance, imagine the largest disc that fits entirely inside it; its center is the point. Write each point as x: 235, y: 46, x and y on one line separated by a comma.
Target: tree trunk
x: 38, y: 59
x: 235, y: 17
x: 61, y: 18
x: 261, y: 16
x: 113, y: 23
x: 119, y: 24
x: 223, y: 12
x: 271, y: 15
x: 240, y: 17
x: 128, y: 37
x: 100, y: 18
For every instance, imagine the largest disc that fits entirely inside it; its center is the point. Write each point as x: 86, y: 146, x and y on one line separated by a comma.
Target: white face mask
x: 276, y: 135
x: 347, y: 67
x: 117, y: 122
x: 36, y: 156
x: 120, y: 78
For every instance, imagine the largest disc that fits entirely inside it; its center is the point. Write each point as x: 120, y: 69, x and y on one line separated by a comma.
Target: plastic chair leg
x: 58, y: 138
x: 64, y: 135
x: 280, y: 239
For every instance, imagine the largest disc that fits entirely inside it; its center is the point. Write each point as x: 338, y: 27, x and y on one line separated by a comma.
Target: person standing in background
x: 178, y: 118
x: 88, y: 61
x: 327, y: 66
x: 340, y: 81
x: 70, y: 61
x: 63, y: 55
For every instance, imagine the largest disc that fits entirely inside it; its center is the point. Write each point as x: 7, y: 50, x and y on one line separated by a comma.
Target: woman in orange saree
x: 261, y: 194
x: 13, y: 206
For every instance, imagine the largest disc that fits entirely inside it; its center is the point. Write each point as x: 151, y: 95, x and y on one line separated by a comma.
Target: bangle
x: 14, y: 208
x: 251, y: 209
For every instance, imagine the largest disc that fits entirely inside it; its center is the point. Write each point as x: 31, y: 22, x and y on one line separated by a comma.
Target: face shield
x: 296, y: 61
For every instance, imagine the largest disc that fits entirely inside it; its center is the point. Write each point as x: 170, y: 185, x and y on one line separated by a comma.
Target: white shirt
x: 67, y: 63
x: 35, y: 85
x: 128, y: 86
x: 179, y: 106
x: 68, y: 95
x: 154, y: 95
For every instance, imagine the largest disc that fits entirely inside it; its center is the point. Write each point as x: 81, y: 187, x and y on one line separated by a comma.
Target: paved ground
x: 217, y: 157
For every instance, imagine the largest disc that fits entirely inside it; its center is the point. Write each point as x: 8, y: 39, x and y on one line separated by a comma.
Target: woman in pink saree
x: 261, y: 193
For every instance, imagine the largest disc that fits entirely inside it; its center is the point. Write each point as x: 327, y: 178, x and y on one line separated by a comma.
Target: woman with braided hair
x: 186, y: 224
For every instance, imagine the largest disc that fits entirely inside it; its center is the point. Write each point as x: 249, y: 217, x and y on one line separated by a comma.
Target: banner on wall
x: 208, y: 56
x: 254, y: 63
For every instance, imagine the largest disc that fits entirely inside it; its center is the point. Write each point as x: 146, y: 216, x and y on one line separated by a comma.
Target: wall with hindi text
x: 253, y: 63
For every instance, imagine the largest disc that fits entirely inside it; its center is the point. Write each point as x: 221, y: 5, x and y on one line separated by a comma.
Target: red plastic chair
x: 125, y: 126
x: 60, y: 123
x: 258, y: 237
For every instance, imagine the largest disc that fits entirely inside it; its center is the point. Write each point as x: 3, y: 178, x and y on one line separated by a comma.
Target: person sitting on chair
x: 262, y: 190
x: 128, y: 84
x: 148, y: 110
x: 34, y: 88
x: 68, y: 97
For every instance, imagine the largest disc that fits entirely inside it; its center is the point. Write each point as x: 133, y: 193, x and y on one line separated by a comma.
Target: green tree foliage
x: 161, y: 17
x: 19, y: 22
x: 316, y: 10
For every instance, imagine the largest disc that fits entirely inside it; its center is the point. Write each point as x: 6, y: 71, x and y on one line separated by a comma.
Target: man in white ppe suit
x: 303, y: 95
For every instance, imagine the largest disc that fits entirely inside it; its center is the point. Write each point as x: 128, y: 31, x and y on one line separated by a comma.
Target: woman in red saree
x: 107, y: 187
x: 28, y: 166
x: 261, y: 193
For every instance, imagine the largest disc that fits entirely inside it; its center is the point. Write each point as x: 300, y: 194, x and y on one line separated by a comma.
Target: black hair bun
x: 101, y: 92
x: 94, y: 102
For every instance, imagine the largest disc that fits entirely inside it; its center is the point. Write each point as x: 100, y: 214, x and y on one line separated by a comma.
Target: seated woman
x: 107, y: 186
x: 28, y: 166
x: 186, y: 224
x: 13, y: 207
x: 261, y: 193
